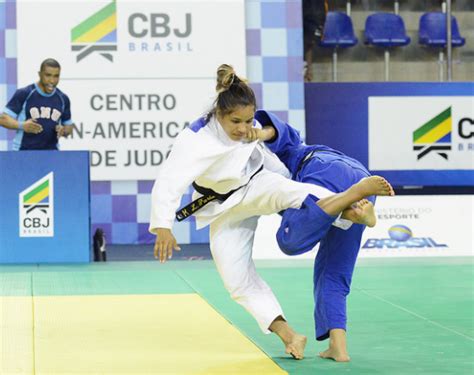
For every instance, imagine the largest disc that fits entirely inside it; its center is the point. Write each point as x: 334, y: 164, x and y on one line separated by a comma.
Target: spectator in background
x: 40, y: 113
x: 314, y: 16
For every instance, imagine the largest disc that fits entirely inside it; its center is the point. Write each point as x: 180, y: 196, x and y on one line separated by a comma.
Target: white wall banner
x: 425, y: 225
x: 130, y: 129
x: 419, y: 133
x: 135, y: 71
x: 406, y: 226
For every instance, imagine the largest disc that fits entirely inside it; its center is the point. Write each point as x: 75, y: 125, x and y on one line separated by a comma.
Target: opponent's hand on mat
x: 165, y: 244
x: 31, y: 126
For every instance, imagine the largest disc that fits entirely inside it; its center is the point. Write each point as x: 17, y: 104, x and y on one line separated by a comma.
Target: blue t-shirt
x: 49, y: 110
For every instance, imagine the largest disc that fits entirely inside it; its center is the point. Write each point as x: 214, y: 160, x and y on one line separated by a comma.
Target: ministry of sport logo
x: 435, y: 135
x: 97, y: 33
x: 36, y: 206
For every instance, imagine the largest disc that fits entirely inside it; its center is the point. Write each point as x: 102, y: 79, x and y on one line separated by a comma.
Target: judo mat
x: 406, y: 316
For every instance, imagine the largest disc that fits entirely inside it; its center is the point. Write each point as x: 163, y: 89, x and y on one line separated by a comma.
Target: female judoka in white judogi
x: 236, y: 179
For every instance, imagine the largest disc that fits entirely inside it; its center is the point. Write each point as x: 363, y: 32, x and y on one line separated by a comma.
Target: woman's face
x: 237, y: 123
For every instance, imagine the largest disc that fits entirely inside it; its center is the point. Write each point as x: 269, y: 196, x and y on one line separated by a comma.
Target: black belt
x: 308, y: 156
x: 208, y: 195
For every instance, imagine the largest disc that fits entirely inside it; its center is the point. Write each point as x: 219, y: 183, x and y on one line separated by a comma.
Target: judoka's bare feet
x: 296, y: 346
x: 361, y: 212
x: 334, y: 354
x: 294, y: 342
x: 337, y: 346
x: 373, y: 185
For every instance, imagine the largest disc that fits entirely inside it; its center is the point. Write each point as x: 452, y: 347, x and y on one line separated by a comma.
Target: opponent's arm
x: 267, y: 133
x: 285, y: 138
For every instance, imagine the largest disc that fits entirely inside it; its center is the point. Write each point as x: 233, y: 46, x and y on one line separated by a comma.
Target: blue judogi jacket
x: 49, y: 110
x: 288, y: 145
x: 301, y: 229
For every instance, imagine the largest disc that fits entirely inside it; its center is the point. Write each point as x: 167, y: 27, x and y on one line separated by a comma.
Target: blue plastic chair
x: 338, y: 33
x: 432, y: 32
x: 385, y: 30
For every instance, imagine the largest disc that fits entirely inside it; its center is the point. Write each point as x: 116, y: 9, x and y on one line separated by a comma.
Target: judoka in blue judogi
x: 301, y: 229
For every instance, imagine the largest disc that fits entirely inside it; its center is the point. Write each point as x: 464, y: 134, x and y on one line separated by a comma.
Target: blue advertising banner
x: 414, y: 134
x: 45, y: 208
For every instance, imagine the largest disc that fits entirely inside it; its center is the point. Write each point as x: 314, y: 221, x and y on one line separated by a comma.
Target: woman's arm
x: 190, y: 156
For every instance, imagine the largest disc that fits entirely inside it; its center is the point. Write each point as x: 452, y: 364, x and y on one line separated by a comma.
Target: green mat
x: 405, y: 316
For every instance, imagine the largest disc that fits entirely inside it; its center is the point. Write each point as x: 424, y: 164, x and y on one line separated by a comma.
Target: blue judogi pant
x: 302, y: 229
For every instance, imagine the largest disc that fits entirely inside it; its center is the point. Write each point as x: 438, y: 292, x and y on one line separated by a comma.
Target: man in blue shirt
x: 40, y: 113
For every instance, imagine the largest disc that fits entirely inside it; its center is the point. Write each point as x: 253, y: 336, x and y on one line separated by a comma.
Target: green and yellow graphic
x: 96, y: 33
x: 37, y: 197
x: 435, y: 135
x: 36, y: 208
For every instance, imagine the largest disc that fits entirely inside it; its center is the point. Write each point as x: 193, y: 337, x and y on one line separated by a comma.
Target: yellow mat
x: 137, y: 334
x: 16, y: 335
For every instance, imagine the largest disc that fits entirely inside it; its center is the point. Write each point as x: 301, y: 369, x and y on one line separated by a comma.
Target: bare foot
x: 296, y: 346
x: 337, y: 346
x: 294, y: 342
x: 373, y: 185
x: 336, y: 355
x: 361, y: 212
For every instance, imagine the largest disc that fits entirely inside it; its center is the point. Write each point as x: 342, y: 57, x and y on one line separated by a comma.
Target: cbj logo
x: 97, y: 33
x: 36, y: 206
x: 158, y: 25
x: 160, y: 33
x: 435, y: 135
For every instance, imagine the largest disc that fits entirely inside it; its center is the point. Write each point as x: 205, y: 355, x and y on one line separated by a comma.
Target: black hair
x: 232, y: 92
x: 52, y: 63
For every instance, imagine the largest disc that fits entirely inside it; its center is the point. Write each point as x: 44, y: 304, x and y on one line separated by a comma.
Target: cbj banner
x: 45, y: 207
x: 137, y: 72
x: 414, y: 133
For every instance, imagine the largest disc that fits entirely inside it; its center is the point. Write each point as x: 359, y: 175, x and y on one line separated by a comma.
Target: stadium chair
x: 432, y: 33
x: 385, y: 30
x: 338, y: 33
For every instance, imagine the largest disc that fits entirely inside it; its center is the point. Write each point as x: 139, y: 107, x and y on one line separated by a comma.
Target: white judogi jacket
x: 204, y: 153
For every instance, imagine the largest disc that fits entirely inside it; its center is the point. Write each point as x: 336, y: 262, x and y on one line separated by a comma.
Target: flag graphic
x: 97, y: 33
x: 435, y: 135
x: 36, y: 205
x: 37, y: 197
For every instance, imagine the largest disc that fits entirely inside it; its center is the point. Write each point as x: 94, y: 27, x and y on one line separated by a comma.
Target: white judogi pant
x: 232, y: 235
